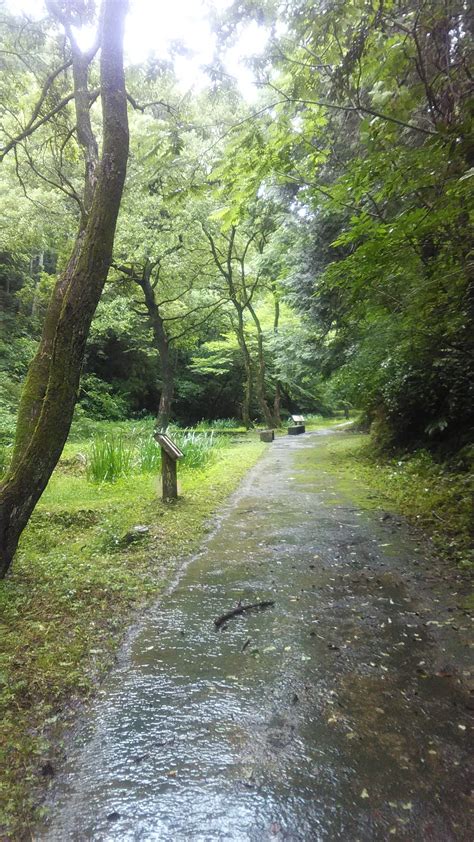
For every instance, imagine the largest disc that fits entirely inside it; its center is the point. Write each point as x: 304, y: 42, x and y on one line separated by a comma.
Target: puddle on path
x: 331, y: 716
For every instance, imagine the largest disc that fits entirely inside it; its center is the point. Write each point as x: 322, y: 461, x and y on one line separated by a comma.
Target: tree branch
x: 352, y: 109
x: 138, y: 107
x: 197, y: 324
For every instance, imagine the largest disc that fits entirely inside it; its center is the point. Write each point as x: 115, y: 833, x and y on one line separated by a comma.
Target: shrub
x: 99, y: 401
x: 4, y: 459
x: 219, y: 424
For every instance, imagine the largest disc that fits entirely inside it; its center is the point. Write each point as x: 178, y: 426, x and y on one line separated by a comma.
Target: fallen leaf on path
x: 47, y: 770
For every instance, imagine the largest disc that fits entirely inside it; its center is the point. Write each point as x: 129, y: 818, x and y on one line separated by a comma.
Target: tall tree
x: 231, y: 251
x: 187, y: 314
x: 371, y: 133
x: 50, y: 390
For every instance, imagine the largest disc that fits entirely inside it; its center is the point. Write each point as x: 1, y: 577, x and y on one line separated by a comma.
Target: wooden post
x: 170, y: 453
x: 169, y: 476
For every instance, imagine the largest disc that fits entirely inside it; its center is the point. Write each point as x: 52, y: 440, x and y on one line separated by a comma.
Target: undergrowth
x: 434, y: 495
x: 219, y: 424
x: 112, y: 457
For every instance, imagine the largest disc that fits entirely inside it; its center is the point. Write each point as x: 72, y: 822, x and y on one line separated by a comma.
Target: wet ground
x: 340, y: 713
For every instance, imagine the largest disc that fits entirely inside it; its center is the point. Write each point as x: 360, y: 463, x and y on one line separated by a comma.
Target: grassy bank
x: 437, y: 499
x: 80, y: 576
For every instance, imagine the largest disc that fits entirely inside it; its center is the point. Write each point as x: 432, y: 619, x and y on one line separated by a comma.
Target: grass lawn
x: 79, y: 578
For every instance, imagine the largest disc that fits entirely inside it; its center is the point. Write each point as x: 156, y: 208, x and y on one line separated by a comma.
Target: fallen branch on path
x: 257, y: 606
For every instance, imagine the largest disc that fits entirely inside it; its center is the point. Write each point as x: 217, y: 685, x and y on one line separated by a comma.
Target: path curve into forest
x: 339, y: 714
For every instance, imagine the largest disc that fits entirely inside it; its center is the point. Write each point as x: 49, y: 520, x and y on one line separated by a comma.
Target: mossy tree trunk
x: 50, y: 390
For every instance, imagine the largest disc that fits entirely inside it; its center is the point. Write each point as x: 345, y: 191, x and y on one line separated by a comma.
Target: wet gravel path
x: 341, y: 713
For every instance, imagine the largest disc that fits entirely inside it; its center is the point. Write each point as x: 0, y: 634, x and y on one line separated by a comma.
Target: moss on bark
x: 50, y: 391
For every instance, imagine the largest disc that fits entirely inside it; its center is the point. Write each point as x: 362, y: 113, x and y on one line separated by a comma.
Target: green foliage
x: 7, y: 414
x: 148, y: 455
x: 16, y: 350
x: 98, y: 400
x: 218, y: 424
x: 349, y: 188
x: 197, y: 448
x: 436, y: 496
x: 4, y: 458
x: 110, y: 459
x: 120, y: 450
x: 373, y: 149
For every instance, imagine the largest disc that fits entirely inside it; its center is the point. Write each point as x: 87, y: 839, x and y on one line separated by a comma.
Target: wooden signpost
x: 170, y: 453
x: 298, y: 425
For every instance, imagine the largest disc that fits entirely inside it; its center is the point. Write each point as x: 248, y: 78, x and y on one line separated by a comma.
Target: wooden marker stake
x: 170, y: 453
x: 169, y: 476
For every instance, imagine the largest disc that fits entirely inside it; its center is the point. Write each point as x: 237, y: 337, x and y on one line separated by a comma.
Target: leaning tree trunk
x: 51, y: 386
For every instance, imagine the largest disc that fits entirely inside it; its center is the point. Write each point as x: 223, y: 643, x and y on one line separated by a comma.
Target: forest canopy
x: 309, y: 250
